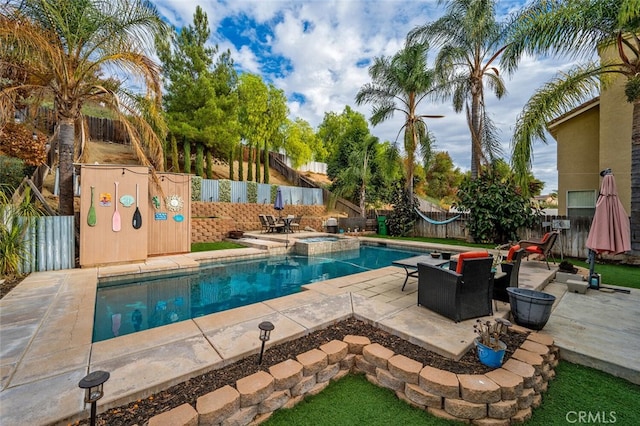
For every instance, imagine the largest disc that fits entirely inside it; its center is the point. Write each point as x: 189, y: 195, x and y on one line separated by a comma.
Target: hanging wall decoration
x: 105, y: 199
x: 91, y: 217
x: 178, y: 218
x: 127, y: 200
x: 156, y: 202
x: 174, y: 203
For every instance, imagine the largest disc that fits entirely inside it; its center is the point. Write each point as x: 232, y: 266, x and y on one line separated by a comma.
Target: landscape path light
x: 265, y: 334
x: 92, y: 385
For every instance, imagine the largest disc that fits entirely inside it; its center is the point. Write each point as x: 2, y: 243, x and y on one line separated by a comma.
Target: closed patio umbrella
x: 610, y: 232
x: 279, y: 205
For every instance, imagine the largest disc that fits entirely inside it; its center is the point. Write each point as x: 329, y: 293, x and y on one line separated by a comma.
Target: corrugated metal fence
x: 50, y: 242
x: 239, y: 193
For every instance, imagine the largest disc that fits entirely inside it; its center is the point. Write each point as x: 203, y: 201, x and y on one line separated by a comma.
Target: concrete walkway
x: 47, y: 321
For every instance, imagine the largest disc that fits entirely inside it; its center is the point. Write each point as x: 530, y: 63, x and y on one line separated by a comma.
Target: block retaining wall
x: 213, y: 221
x: 501, y: 397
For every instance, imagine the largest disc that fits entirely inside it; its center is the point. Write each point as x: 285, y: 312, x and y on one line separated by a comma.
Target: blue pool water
x: 126, y: 307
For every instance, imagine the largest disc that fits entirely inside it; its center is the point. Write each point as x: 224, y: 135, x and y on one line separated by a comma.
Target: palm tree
x: 400, y: 83
x: 470, y: 42
x: 551, y: 26
x: 64, y: 47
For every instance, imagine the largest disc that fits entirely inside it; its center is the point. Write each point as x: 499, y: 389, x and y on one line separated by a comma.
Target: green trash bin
x: 382, y: 225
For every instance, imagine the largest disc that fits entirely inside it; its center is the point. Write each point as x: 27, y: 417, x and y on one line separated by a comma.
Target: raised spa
x: 315, y: 245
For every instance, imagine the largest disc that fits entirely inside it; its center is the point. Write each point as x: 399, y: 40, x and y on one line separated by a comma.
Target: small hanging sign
x: 105, y: 199
x: 160, y: 216
x: 178, y: 218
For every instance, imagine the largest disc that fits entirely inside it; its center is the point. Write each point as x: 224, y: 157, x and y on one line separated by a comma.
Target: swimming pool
x: 124, y: 307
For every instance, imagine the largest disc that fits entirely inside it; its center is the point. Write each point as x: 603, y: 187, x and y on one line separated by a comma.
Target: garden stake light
x: 92, y: 384
x: 265, y: 333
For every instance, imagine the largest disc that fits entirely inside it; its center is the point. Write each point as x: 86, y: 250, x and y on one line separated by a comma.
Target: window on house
x: 581, y: 203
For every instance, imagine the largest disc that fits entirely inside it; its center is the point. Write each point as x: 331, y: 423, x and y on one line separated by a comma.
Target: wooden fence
x: 571, y: 243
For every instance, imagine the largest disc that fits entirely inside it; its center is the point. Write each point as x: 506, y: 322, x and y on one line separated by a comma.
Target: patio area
x: 47, y: 321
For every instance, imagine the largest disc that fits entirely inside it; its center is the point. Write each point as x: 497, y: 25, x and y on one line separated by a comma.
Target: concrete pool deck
x: 46, y: 327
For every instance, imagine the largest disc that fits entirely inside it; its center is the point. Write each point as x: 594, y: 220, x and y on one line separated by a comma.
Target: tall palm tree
x: 64, y: 47
x: 470, y: 41
x: 400, y: 83
x: 551, y: 26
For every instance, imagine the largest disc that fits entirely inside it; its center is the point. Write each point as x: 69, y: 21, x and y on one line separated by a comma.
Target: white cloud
x: 324, y: 41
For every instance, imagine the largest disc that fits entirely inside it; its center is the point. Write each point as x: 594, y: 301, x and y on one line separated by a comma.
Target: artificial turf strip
x: 615, y: 274
x: 598, y: 397
x: 218, y: 245
x: 354, y: 401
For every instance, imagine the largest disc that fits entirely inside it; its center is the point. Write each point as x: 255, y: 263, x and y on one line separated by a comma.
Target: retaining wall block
x: 340, y: 375
x: 336, y: 350
x: 503, y: 409
x: 522, y: 416
x: 356, y: 343
x: 293, y: 401
x: 286, y: 374
x: 439, y: 412
x: 405, y: 368
x: 312, y: 361
x: 319, y: 387
x: 542, y: 338
x: 511, y: 385
x: 526, y: 399
x: 216, y: 406
x: 387, y: 380
x: 242, y: 417
x: 488, y: 421
x: 536, y: 348
x: 530, y: 358
x: 255, y: 388
x: 439, y: 382
x: 536, y: 401
x: 304, y: 386
x: 183, y: 415
x: 464, y: 409
x: 403, y: 397
x: 524, y: 370
x: 373, y: 379
x: 364, y: 366
x: 422, y: 397
x: 377, y: 355
x: 328, y: 373
x: 274, y: 401
x: 478, y: 388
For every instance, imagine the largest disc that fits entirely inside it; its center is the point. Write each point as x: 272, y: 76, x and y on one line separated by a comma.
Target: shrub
x: 497, y: 208
x: 12, y: 171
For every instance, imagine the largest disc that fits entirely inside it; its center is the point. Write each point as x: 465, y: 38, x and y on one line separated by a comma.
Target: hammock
x: 436, y: 222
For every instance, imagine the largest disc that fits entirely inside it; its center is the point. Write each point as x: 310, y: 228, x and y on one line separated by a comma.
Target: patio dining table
x: 410, y: 265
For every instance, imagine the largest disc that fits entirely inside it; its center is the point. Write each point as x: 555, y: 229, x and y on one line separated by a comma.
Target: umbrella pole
x: 593, y: 278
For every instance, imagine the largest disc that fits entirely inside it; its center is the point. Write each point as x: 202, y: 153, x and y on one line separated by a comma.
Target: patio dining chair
x: 542, y: 247
x: 264, y: 223
x: 295, y: 223
x: 274, y: 226
x: 458, y: 294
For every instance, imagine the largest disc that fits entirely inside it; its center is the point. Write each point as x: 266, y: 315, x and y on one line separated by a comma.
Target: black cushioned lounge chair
x: 458, y: 296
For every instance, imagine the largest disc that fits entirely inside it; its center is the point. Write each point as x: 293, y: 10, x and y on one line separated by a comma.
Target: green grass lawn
x: 575, y: 391
x: 218, y: 245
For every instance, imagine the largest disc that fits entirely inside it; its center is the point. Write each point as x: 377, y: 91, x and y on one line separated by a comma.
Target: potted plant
x: 488, y: 344
x: 566, y: 272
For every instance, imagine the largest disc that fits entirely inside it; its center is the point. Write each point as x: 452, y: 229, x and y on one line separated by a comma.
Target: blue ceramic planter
x: 491, y: 357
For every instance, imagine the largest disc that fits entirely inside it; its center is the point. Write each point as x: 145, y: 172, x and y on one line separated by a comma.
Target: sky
x: 319, y: 51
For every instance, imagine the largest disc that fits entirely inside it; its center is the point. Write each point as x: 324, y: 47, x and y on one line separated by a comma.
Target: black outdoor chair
x: 511, y: 268
x: 274, y: 226
x: 458, y: 296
